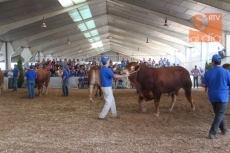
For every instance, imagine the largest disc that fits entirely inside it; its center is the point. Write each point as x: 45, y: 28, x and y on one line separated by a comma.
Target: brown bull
x: 94, y: 81
x: 226, y: 66
x: 43, y: 78
x: 1, y: 80
x: 153, y: 82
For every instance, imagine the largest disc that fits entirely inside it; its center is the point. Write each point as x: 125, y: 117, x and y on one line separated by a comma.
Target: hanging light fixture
x: 138, y: 49
x: 43, y: 23
x: 109, y: 37
x: 69, y: 41
x: 165, y: 24
x: 147, y: 40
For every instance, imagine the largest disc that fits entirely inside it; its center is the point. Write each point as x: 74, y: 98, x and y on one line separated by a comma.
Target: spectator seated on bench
x: 81, y: 73
x: 73, y: 73
x: 80, y: 82
x: 120, y: 83
x: 86, y: 81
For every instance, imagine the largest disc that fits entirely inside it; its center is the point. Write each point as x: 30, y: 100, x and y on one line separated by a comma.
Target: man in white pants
x: 107, y: 76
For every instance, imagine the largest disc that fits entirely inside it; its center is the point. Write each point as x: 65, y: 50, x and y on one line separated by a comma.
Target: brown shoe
x: 117, y: 117
x: 105, y: 119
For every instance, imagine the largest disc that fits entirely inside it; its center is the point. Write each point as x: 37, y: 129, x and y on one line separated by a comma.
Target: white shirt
x: 10, y: 74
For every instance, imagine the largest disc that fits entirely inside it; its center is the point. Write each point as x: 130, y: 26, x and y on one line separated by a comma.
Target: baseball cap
x: 31, y: 66
x: 216, y: 58
x: 104, y: 59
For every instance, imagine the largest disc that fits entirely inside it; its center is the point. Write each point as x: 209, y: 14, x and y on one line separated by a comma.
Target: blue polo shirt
x: 73, y: 73
x: 15, y: 72
x: 106, y: 76
x: 218, y: 81
x: 65, y: 74
x: 81, y: 73
x: 80, y: 80
x: 31, y: 75
x: 85, y: 79
x: 123, y: 63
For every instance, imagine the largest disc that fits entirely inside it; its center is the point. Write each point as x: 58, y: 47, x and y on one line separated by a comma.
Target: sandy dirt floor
x: 55, y: 124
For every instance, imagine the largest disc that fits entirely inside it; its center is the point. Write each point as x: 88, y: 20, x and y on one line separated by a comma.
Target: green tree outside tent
x: 208, y: 64
x: 21, y: 76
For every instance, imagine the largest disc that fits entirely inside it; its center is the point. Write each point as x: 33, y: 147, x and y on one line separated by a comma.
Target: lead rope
x: 127, y: 78
x: 133, y: 72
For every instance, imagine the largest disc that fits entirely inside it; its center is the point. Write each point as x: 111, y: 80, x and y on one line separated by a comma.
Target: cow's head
x: 226, y: 66
x: 131, y: 67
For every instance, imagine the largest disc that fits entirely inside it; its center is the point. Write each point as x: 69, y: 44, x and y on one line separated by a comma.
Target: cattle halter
x: 133, y: 72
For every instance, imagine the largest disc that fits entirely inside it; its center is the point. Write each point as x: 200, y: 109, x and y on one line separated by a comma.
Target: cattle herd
x: 150, y: 82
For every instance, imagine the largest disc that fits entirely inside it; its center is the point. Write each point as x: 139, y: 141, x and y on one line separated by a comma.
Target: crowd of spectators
x: 80, y: 68
x: 163, y: 62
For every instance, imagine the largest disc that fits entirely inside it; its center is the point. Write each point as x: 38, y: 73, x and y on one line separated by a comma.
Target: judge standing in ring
x: 107, y: 76
x: 65, y: 81
x: 16, y: 74
x: 31, y: 75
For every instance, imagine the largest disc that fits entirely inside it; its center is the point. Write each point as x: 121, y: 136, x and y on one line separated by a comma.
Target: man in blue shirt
x: 81, y: 73
x: 86, y: 79
x: 73, y: 72
x: 16, y: 74
x: 123, y: 63
x: 107, y: 76
x: 65, y: 81
x: 80, y: 82
x: 217, y: 79
x: 31, y: 76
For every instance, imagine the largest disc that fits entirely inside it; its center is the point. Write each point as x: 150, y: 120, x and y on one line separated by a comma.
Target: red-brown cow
x: 153, y: 82
x: 94, y: 81
x: 226, y: 66
x: 43, y: 78
x: 1, y: 80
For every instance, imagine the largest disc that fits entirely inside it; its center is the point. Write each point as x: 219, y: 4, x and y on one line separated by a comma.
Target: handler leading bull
x: 153, y: 82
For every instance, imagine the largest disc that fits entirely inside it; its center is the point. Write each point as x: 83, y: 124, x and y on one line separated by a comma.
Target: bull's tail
x: 3, y: 87
x: 188, y: 94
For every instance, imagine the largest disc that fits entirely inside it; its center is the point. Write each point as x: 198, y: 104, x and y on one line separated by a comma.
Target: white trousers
x: 109, y: 102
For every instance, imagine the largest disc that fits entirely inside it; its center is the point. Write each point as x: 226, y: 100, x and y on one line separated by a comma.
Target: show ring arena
x: 52, y: 123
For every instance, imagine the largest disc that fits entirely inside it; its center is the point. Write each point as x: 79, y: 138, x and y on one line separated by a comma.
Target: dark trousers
x: 219, y: 109
x: 15, y: 84
x: 65, y: 87
x: 30, y: 85
x: 195, y: 81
